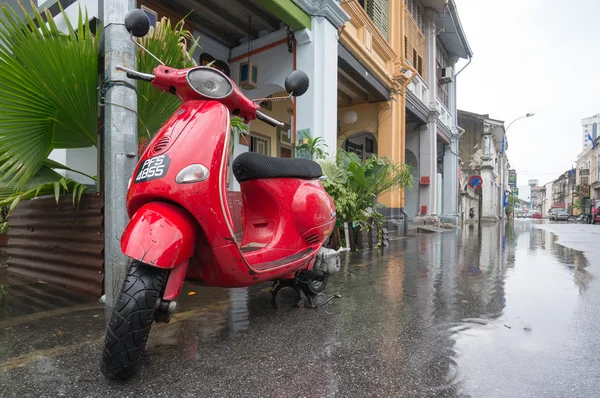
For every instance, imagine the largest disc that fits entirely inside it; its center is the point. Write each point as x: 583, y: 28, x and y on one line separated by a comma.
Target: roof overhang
x: 451, y: 31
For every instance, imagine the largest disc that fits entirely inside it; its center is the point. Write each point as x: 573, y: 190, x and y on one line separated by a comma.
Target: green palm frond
x: 170, y: 44
x: 45, y: 182
x: 48, y: 85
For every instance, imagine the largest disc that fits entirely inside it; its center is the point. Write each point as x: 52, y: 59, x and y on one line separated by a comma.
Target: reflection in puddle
x: 474, y: 312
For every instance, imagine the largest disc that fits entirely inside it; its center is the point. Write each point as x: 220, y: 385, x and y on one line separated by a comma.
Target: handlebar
x: 134, y: 74
x: 269, y: 120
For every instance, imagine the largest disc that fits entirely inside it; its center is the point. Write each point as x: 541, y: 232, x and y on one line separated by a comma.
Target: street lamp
x: 502, y: 191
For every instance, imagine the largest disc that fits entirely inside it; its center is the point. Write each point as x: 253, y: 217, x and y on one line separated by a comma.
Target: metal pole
x: 502, y: 180
x: 119, y: 137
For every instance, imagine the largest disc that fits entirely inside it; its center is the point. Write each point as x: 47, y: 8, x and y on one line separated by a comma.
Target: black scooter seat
x: 252, y: 166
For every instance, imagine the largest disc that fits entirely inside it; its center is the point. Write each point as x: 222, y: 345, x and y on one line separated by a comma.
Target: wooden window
x: 260, y: 144
x: 415, y: 44
x: 416, y: 10
x: 442, y: 62
x: 378, y: 12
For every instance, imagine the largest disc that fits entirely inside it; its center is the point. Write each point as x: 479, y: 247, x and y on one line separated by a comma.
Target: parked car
x: 559, y: 215
x: 536, y: 215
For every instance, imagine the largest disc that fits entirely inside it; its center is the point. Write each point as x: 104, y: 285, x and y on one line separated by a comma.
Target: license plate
x: 153, y: 168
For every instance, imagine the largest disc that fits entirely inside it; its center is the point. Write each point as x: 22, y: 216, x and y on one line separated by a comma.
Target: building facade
x: 408, y: 113
x: 589, y: 128
x: 480, y: 151
x: 562, y: 191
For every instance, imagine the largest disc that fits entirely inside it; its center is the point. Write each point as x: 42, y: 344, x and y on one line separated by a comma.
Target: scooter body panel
x: 159, y: 234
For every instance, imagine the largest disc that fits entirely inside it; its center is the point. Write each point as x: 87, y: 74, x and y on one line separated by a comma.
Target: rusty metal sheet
x: 59, y: 244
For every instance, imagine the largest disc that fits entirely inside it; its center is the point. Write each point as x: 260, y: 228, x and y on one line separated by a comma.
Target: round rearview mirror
x: 296, y: 83
x: 137, y: 22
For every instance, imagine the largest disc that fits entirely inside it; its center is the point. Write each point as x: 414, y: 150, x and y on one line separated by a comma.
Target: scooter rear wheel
x: 313, y: 286
x: 131, y: 321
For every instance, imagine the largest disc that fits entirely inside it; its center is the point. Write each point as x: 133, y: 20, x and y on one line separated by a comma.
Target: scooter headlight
x: 192, y: 173
x: 209, y: 82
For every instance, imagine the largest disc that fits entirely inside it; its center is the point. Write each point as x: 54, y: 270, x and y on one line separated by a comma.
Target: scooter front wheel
x: 131, y: 321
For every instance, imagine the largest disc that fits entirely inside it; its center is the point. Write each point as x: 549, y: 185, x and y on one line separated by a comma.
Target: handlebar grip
x: 134, y: 74
x: 269, y: 120
x: 135, y: 77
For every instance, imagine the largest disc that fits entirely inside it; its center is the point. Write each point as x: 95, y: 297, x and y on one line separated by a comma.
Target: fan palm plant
x: 48, y: 81
x: 49, y: 100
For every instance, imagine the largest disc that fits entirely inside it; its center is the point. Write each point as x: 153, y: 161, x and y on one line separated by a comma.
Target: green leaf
x: 63, y: 182
x: 14, y: 203
x: 56, y: 191
x: 80, y: 191
x: 169, y: 42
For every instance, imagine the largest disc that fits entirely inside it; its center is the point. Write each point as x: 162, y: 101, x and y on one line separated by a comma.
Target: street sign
x: 512, y: 178
x: 475, y: 181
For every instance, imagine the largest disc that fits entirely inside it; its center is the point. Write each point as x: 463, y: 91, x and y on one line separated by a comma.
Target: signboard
x: 512, y: 178
x: 475, y: 182
x: 515, y: 191
x: 584, y: 190
x: 584, y: 172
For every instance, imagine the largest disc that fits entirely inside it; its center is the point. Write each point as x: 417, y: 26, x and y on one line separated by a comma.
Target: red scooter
x: 181, y: 226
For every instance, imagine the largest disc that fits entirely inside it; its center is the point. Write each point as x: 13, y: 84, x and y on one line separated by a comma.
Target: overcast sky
x: 540, y: 56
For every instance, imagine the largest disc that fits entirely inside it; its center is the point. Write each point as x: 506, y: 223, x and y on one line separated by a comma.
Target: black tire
x: 131, y: 321
x: 313, y: 286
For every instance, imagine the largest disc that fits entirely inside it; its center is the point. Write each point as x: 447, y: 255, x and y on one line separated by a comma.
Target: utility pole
x: 119, y: 138
x: 503, y: 165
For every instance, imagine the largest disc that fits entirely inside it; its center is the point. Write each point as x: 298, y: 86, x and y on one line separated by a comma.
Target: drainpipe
x: 464, y: 67
x: 404, y: 85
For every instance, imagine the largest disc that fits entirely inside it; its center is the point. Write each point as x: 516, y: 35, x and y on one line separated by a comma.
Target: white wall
x: 210, y: 46
x: 273, y: 64
x: 89, y: 6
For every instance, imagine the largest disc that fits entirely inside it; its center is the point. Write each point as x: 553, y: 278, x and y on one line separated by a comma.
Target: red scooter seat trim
x: 160, y: 234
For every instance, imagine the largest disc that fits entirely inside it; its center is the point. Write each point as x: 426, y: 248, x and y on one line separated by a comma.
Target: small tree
x: 313, y: 146
x: 355, y: 186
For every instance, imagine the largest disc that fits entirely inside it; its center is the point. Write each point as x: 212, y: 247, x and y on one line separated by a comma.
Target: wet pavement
x: 466, y: 313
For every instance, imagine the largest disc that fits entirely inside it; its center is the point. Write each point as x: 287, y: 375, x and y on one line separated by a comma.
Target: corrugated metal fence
x: 59, y: 244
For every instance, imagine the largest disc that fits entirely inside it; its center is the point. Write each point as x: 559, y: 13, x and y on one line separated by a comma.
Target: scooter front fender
x: 161, y: 235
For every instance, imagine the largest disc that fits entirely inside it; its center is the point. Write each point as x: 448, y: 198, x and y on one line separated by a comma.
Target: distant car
x: 559, y: 215
x: 536, y: 215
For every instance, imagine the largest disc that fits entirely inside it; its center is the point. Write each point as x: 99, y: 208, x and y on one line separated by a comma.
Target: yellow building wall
x: 367, y: 122
x: 384, y: 57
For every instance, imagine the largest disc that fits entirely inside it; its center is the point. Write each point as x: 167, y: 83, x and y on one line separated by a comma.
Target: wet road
x: 466, y: 313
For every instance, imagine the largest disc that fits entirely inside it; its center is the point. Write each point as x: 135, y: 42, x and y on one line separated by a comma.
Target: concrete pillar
x: 390, y: 145
x: 489, y: 211
x: 317, y: 56
x: 428, y: 153
x: 428, y: 167
x: 450, y: 189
